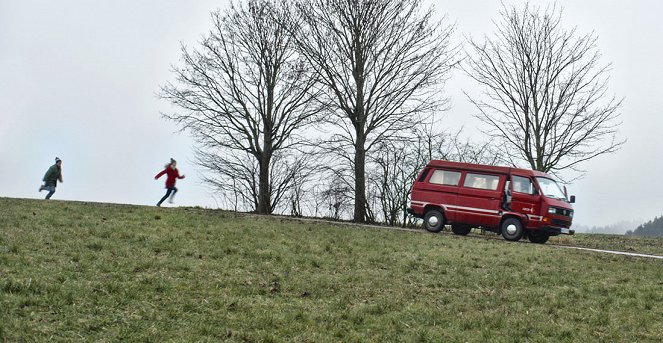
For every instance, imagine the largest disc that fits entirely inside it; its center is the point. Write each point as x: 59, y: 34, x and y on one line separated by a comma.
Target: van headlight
x: 552, y: 210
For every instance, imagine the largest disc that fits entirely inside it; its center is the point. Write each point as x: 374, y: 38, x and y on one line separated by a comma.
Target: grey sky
x: 78, y: 81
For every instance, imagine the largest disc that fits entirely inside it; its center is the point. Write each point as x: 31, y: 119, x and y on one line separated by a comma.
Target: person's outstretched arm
x: 160, y: 174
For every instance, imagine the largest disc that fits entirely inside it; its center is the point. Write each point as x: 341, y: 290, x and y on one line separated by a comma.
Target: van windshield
x: 550, y: 188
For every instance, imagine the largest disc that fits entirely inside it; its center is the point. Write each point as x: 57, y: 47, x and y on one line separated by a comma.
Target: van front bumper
x: 554, y: 231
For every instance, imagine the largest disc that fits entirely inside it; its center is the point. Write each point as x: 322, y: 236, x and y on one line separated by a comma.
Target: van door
x: 479, y: 199
x: 525, y: 199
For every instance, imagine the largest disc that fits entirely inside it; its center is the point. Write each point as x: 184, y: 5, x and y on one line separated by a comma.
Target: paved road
x: 609, y: 252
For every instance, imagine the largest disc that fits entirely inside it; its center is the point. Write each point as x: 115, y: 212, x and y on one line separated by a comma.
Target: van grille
x: 563, y: 212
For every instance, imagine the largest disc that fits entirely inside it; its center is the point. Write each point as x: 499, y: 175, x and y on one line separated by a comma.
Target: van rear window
x: 445, y: 177
x: 481, y: 181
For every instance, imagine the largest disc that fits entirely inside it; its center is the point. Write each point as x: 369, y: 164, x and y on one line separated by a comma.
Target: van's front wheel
x: 512, y: 229
x: 537, y: 237
x: 434, y: 221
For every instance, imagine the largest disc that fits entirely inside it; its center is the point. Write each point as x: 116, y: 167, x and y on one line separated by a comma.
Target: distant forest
x: 652, y: 228
x: 619, y: 228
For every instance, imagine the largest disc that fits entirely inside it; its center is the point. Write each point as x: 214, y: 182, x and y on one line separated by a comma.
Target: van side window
x: 445, y: 177
x: 522, y: 185
x: 481, y: 181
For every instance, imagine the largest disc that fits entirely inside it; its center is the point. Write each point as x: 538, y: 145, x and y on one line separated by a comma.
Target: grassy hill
x: 98, y: 272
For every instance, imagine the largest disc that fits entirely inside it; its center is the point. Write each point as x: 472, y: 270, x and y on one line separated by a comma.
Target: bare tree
x: 236, y: 177
x: 244, y: 93
x: 232, y: 174
x: 380, y: 61
x: 336, y: 194
x: 296, y: 178
x: 392, y: 178
x: 544, y: 91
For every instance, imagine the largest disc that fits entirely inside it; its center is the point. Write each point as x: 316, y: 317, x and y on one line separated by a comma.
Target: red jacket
x: 172, y: 175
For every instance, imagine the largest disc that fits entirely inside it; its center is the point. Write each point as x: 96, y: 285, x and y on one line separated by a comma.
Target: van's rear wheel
x: 512, y: 229
x: 460, y: 229
x: 537, y: 237
x: 434, y: 221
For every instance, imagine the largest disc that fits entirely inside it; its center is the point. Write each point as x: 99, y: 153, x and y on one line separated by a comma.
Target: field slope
x: 97, y: 272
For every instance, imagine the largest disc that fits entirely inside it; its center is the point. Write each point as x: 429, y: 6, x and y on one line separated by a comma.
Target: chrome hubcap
x: 433, y: 221
x: 511, y: 229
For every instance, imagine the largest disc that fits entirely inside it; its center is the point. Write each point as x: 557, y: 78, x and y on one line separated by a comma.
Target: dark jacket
x: 53, y: 174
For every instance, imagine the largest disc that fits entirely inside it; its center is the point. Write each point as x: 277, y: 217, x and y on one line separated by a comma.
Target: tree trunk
x: 264, y: 189
x: 404, y: 211
x: 359, y: 124
x: 360, y: 179
x: 264, y: 194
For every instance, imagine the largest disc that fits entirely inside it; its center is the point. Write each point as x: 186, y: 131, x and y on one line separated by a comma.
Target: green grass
x: 96, y: 272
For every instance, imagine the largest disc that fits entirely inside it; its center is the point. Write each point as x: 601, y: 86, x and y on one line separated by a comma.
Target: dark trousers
x: 51, y: 191
x: 171, y: 190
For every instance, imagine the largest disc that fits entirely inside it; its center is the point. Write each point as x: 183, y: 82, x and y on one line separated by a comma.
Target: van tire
x: 537, y: 237
x: 433, y: 221
x: 461, y: 230
x: 512, y: 229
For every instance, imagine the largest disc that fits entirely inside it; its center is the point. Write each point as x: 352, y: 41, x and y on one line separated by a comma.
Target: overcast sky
x: 78, y: 80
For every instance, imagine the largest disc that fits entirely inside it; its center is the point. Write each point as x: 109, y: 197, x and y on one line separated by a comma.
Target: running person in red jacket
x: 173, y: 174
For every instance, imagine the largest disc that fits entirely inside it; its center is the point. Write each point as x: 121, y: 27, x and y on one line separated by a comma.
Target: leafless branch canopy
x: 380, y: 60
x: 544, y: 91
x: 235, y: 176
x: 245, y: 88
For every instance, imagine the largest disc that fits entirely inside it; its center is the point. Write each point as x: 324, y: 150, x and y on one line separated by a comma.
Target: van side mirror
x: 573, y: 199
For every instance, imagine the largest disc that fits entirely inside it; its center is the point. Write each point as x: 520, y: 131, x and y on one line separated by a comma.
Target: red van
x: 509, y: 201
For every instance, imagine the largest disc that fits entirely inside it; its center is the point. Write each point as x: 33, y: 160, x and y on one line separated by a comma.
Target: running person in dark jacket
x: 173, y: 174
x: 53, y: 174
